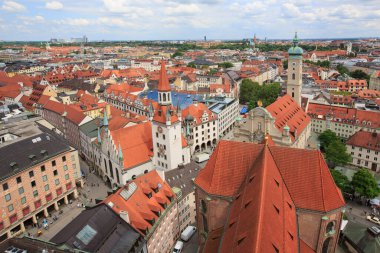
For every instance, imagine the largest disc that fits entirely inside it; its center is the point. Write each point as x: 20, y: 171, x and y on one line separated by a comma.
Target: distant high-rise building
x: 205, y: 38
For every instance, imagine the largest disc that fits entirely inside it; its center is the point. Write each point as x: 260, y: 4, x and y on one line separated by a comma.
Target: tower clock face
x: 159, y: 129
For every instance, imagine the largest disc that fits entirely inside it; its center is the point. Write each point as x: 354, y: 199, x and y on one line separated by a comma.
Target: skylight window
x: 86, y: 234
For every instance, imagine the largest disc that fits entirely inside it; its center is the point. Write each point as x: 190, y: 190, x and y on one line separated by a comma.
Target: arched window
x: 326, y: 244
x: 330, y: 226
x: 203, y: 206
x: 164, y: 97
x: 294, y: 76
x: 110, y: 166
x: 205, y: 224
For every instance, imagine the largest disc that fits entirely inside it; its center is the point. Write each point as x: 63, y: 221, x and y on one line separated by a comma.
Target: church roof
x: 267, y: 185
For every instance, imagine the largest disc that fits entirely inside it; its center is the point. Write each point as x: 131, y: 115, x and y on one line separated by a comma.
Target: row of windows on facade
x: 31, y: 173
x: 367, y: 157
x: 368, y: 150
x: 366, y: 163
x: 21, y: 191
x: 37, y: 204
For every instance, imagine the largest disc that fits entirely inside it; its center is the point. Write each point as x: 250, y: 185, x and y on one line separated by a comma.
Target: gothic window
x: 326, y: 244
x: 205, y: 225
x: 330, y: 227
x: 164, y: 95
x: 110, y: 166
x: 203, y: 206
x: 294, y: 76
x: 259, y: 126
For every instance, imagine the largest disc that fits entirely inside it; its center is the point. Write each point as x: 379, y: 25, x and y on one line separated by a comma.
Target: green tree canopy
x: 336, y: 153
x: 326, y: 138
x: 251, y: 92
x: 177, y: 53
x: 191, y: 65
x: 341, y: 180
x: 342, y: 69
x: 360, y: 74
x: 225, y: 65
x: 364, y: 183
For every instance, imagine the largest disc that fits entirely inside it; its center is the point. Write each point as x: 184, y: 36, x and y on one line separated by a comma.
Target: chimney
x: 125, y: 216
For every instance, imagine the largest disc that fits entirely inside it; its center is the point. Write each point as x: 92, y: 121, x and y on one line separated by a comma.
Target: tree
x: 341, y: 180
x: 247, y: 90
x: 191, y: 65
x: 225, y: 65
x: 251, y: 92
x: 326, y: 138
x: 360, y: 74
x: 364, y: 183
x: 336, y: 153
x: 342, y: 69
x: 177, y: 53
x: 285, y: 64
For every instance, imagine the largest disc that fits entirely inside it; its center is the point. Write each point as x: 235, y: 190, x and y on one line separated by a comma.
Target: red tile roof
x: 218, y: 177
x: 268, y: 183
x: 136, y: 144
x: 160, y: 114
x: 345, y: 115
x: 287, y: 112
x: 66, y: 111
x: 366, y: 140
x: 303, y: 171
x: 140, y: 208
x: 263, y: 192
x: 163, y: 83
x: 197, y: 111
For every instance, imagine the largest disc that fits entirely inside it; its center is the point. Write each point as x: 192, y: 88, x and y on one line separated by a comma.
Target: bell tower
x: 294, y: 84
x: 166, y: 128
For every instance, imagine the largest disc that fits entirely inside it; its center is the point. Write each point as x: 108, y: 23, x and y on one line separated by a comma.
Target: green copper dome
x: 295, y: 49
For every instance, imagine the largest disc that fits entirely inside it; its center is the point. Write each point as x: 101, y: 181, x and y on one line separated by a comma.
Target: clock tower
x: 166, y: 128
x: 294, y: 84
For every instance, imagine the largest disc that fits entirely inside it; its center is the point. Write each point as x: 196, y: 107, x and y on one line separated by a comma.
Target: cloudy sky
x: 187, y: 19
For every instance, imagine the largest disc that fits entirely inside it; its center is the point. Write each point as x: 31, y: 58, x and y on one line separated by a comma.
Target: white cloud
x: 12, y: 6
x: 75, y: 22
x: 183, y: 9
x: 54, y: 5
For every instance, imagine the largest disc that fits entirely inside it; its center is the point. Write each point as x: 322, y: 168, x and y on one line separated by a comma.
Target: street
x: 192, y: 245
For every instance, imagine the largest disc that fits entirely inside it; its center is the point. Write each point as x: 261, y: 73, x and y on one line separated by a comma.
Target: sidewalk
x: 70, y: 212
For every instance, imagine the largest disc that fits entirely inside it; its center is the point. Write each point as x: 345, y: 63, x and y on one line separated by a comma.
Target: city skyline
x: 186, y: 20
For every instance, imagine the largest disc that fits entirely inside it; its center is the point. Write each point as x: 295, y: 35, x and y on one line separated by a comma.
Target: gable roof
x: 133, y: 198
x: 262, y: 197
x: 286, y: 111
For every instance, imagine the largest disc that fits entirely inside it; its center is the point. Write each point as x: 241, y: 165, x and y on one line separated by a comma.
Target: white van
x: 178, y: 247
x: 200, y: 158
x: 188, y: 232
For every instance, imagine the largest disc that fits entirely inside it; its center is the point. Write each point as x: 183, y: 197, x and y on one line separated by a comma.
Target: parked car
x: 178, y: 247
x: 188, y: 232
x: 374, y: 219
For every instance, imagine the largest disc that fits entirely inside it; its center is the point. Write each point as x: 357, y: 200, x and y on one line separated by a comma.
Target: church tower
x: 166, y: 128
x: 294, y: 84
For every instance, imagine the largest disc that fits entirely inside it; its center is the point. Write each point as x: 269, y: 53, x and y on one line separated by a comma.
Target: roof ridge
x: 322, y: 188
x: 262, y: 194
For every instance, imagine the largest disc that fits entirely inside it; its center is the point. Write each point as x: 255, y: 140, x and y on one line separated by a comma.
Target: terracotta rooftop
x: 366, y: 140
x: 140, y: 207
x: 287, y: 112
x: 267, y: 185
x: 163, y: 83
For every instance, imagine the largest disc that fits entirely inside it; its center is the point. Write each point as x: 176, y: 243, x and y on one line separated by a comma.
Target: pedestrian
x: 98, y: 184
